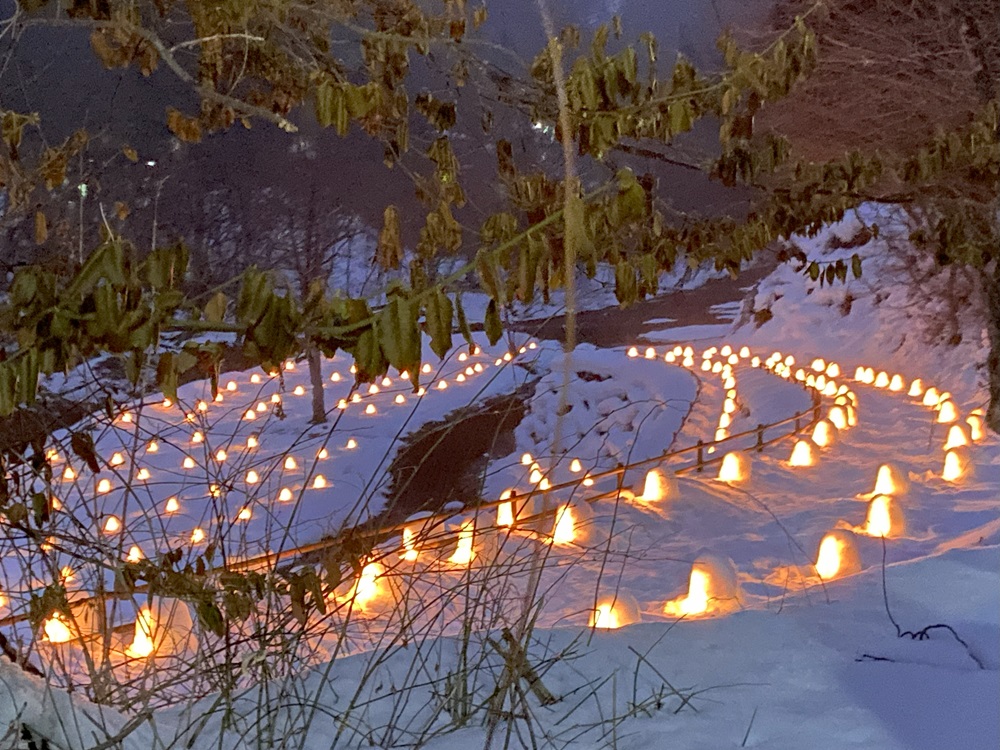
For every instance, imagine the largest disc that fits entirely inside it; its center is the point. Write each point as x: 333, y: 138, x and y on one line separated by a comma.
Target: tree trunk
x: 316, y: 380
x: 991, y: 287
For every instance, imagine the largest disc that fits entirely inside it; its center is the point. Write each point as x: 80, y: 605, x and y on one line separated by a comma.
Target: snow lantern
x: 573, y: 524
x: 802, y: 454
x: 735, y: 467
x: 957, y: 465
x: 368, y: 586
x: 633, y: 351
x: 885, y: 518
x: 882, y: 379
x: 824, y: 433
x: 414, y: 531
x: 859, y: 373
x: 615, y: 611
x: 975, y: 423
x: 852, y: 416
x: 916, y: 388
x: 890, y: 480
x: 163, y: 627
x: 818, y: 365
x: 659, y: 485
x: 712, y: 588
x: 465, y: 550
x: 515, y: 507
x: 838, y: 416
x: 956, y: 437
x: 57, y: 629
x: 837, y: 555
x: 931, y: 397
x: 948, y: 413
x: 896, y: 384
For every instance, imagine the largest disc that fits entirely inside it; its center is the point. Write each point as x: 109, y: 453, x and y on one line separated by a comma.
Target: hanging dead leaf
x: 41, y: 228
x: 186, y: 128
x: 130, y: 153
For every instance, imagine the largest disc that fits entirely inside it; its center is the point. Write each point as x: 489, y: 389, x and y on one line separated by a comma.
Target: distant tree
x: 917, y: 86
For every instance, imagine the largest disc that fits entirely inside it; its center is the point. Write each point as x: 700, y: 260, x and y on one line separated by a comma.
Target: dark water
x: 237, y: 195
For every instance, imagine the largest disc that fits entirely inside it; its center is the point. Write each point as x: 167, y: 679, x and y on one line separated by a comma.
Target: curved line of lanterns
x: 712, y: 586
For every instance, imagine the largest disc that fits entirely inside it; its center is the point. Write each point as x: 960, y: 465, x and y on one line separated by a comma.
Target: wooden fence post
x: 760, y: 438
x: 701, y: 455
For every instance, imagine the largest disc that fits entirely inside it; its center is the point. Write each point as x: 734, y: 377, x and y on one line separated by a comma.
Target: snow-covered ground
x: 780, y: 659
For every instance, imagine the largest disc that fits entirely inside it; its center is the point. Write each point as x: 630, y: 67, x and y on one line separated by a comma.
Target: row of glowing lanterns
x: 111, y: 524
x: 56, y: 628
x: 712, y: 583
